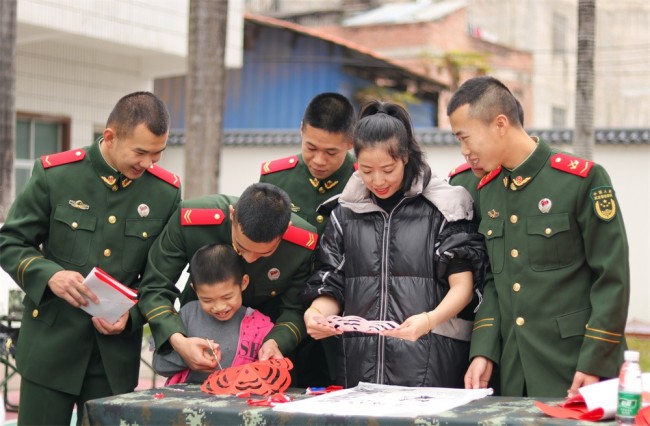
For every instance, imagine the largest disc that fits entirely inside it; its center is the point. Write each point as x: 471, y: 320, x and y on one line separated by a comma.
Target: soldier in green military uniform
x: 324, y: 165
x: 101, y: 206
x: 318, y: 173
x: 553, y: 317
x: 276, y: 245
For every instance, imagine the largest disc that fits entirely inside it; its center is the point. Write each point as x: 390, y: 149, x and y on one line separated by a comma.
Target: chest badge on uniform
x: 604, y: 202
x: 493, y: 214
x: 143, y: 210
x: 78, y: 204
x: 273, y: 274
x: 544, y: 205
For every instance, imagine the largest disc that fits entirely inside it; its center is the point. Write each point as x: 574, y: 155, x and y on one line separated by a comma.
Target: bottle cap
x: 631, y: 356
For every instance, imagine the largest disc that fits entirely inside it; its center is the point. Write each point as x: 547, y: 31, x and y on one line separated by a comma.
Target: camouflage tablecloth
x: 187, y: 405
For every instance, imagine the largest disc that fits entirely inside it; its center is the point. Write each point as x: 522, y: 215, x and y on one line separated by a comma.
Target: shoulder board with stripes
x: 301, y: 237
x: 459, y: 169
x: 196, y: 217
x: 489, y: 177
x: 573, y: 165
x: 165, y: 175
x: 279, y: 165
x: 62, y: 158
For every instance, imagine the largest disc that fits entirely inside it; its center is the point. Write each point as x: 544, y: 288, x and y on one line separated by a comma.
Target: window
x: 37, y: 136
x: 558, y: 119
x: 559, y: 34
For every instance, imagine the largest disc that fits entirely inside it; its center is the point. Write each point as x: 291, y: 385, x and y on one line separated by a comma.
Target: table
x: 186, y: 404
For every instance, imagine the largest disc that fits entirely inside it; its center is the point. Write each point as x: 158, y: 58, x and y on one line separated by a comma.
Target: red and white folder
x: 114, y: 297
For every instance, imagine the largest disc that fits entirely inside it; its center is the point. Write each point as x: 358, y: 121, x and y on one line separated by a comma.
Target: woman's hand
x: 412, y: 329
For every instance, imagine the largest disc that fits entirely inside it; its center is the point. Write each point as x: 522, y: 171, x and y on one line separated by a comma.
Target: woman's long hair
x: 389, y: 124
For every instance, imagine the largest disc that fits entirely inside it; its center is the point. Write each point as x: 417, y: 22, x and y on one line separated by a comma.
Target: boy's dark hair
x: 216, y: 263
x: 139, y: 108
x: 487, y: 97
x: 390, y: 124
x: 263, y: 211
x: 331, y: 112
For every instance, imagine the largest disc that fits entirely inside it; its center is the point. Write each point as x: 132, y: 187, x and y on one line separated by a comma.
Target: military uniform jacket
x: 275, y: 281
x: 559, y: 255
x: 83, y: 215
x: 306, y: 192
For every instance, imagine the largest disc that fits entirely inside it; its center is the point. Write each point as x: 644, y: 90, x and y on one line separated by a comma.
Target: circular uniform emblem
x: 273, y: 274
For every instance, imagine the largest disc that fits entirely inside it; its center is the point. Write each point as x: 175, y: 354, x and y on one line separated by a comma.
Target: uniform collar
x: 339, y: 177
x: 108, y: 175
x: 523, y: 174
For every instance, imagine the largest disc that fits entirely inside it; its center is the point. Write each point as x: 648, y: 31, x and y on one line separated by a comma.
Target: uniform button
x: 514, y: 218
x: 112, y: 219
x: 320, y: 218
x: 217, y: 216
x: 145, y: 235
x: 114, y: 188
x: 489, y: 232
x: 321, y: 190
x: 75, y: 225
x: 107, y: 252
x: 35, y: 313
x: 548, y: 231
x: 520, y: 321
x: 514, y: 253
x: 273, y: 293
x: 516, y: 287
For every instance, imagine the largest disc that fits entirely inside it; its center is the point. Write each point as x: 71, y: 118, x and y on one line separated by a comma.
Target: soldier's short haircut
x: 139, y: 108
x: 216, y: 263
x: 331, y: 112
x: 263, y: 211
x: 487, y: 97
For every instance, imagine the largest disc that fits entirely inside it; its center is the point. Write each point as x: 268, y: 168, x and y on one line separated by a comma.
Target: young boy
x: 218, y: 278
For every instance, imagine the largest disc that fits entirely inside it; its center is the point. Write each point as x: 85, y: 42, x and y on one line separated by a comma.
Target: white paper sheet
x: 369, y: 399
x: 114, y: 297
x: 605, y: 395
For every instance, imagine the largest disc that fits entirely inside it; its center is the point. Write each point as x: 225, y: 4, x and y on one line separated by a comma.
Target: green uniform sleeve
x: 290, y: 327
x: 26, y: 228
x: 607, y: 252
x: 486, y: 340
x: 166, y: 261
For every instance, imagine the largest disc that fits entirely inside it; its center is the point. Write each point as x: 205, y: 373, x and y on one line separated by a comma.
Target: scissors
x: 213, y: 353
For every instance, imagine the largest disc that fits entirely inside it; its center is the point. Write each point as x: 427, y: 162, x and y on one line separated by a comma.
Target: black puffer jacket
x: 389, y: 267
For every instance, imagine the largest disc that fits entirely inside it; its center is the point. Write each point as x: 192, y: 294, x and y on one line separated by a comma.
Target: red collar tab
x: 301, y: 237
x: 279, y: 165
x: 459, y: 169
x: 573, y: 165
x: 165, y: 175
x: 489, y: 177
x: 62, y: 158
x: 197, y: 217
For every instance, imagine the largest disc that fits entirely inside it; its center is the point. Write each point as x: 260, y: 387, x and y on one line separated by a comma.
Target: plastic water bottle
x: 629, y: 389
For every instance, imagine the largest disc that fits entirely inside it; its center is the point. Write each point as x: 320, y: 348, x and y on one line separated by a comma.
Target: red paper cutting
x: 257, y: 378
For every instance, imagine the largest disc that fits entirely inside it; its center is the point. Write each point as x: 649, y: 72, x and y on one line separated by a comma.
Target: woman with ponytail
x: 400, y: 246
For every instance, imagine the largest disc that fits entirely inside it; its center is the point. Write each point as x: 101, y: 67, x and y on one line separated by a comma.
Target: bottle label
x: 628, y: 404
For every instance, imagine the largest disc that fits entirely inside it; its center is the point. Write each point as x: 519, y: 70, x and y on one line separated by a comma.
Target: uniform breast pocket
x: 492, y: 230
x: 71, y: 234
x: 551, y: 243
x: 139, y: 235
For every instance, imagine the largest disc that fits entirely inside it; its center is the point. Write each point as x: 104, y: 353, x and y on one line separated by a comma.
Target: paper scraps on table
x: 362, y: 325
x: 593, y: 403
x: 257, y: 378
